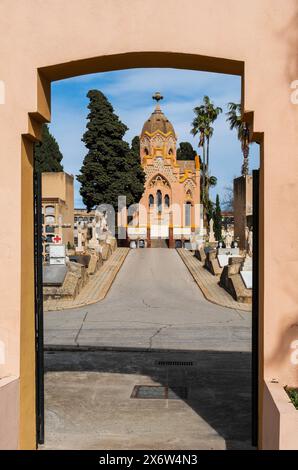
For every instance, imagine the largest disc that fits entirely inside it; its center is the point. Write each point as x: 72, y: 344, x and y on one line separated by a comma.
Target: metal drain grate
x: 174, y: 363
x: 162, y: 392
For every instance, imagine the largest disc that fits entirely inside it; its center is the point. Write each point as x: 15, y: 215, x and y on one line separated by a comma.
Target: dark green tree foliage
x: 136, y: 174
x: 234, y: 118
x: 217, y: 219
x: 185, y: 151
x: 209, y: 209
x: 47, y: 153
x: 109, y: 169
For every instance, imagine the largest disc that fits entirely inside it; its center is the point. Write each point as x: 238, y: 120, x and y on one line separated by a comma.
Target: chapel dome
x: 157, y: 120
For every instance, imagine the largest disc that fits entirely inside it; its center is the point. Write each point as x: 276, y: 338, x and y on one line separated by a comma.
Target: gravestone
x: 223, y: 260
x: 228, y: 251
x: 247, y: 265
x: 201, y: 253
x: 247, y: 278
x: 94, y: 263
x: 112, y: 242
x: 80, y: 271
x: 82, y: 259
x: 246, y: 271
x: 105, y: 251
x: 57, y: 254
x: 54, y: 275
x: 71, y: 286
x: 232, y: 281
x: 67, y: 290
x: 211, y: 262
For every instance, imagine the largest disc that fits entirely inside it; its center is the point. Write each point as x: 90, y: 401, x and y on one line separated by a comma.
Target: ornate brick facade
x: 172, y: 187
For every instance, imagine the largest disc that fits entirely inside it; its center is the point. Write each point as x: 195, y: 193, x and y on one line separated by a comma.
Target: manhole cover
x: 159, y: 391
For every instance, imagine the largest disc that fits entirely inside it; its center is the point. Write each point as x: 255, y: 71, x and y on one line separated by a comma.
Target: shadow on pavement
x: 218, y: 382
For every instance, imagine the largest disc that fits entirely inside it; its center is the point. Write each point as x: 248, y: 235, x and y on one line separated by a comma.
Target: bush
x: 293, y: 394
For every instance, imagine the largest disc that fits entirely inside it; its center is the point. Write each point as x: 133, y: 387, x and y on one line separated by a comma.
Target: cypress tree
x: 108, y: 169
x: 217, y: 219
x: 47, y: 154
x: 136, y: 174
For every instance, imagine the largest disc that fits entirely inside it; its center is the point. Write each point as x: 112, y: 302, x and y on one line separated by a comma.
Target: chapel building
x: 172, y: 187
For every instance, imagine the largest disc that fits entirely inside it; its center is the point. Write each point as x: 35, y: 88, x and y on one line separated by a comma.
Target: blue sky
x: 130, y: 92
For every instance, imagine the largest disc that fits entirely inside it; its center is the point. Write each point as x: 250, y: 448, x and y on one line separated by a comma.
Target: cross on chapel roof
x: 157, y: 97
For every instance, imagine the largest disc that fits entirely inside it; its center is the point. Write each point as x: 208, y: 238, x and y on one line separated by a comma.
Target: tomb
x: 64, y: 281
x: 212, y: 263
x: 232, y: 280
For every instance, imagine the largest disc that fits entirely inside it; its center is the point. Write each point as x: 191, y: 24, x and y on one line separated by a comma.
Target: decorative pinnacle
x: 157, y: 97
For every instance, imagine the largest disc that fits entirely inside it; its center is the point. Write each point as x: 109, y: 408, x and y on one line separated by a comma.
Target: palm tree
x: 212, y: 113
x: 206, y: 114
x: 198, y: 127
x: 235, y: 121
x: 209, y: 180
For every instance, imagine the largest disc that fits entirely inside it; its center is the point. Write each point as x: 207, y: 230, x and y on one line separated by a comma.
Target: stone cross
x: 157, y: 97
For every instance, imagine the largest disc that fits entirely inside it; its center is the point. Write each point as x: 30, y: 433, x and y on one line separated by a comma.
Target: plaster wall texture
x: 48, y: 40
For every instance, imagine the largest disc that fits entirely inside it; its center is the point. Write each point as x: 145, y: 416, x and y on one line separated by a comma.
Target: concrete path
x: 153, y: 303
x: 160, y: 331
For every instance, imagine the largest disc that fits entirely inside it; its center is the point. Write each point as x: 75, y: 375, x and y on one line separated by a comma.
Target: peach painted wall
x: 9, y: 413
x: 279, y: 409
x: 259, y: 40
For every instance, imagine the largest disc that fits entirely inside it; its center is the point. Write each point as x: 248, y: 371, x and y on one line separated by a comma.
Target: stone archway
x: 114, y: 62
x: 44, y: 49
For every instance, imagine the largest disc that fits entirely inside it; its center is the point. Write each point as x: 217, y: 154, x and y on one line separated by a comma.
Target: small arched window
x: 146, y: 151
x: 151, y: 200
x: 159, y: 200
x: 189, y: 194
x: 187, y: 214
x: 50, y: 210
x: 170, y: 152
x: 167, y: 200
x: 50, y: 219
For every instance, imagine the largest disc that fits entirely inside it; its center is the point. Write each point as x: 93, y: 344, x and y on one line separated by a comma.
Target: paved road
x: 153, y: 316
x: 153, y: 304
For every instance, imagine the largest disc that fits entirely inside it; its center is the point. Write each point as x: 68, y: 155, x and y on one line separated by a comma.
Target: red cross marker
x: 56, y: 239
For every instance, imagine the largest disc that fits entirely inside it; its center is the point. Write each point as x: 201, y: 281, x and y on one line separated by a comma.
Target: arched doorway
x: 84, y: 52
x: 44, y: 84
